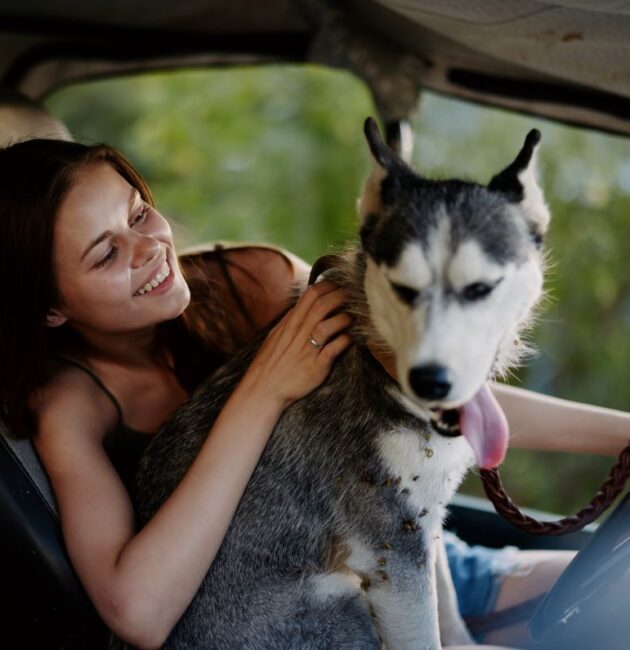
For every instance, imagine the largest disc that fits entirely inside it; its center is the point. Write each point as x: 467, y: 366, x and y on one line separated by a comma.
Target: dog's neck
x: 381, y: 353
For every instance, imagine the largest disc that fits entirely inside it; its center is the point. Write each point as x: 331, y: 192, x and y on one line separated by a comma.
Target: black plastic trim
x: 540, y: 91
x: 121, y: 43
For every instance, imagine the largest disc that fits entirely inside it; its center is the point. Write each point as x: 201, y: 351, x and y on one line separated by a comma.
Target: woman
x: 101, y: 341
x: 100, y: 288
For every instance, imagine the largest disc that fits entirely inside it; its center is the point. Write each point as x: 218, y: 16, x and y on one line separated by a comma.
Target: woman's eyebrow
x: 109, y: 233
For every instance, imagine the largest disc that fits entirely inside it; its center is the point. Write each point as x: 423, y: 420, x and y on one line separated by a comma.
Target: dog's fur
x: 334, y: 543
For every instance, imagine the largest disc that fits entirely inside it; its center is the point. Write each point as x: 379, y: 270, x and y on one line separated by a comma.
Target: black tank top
x: 123, y: 445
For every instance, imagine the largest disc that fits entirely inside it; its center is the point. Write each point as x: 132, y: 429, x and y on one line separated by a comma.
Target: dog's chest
x: 425, y: 468
x: 417, y: 478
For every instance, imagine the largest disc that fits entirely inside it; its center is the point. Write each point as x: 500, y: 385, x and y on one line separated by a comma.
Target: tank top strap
x: 96, y: 379
x: 219, y: 250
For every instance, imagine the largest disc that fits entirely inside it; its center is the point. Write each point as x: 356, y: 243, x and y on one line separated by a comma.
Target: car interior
x: 562, y: 60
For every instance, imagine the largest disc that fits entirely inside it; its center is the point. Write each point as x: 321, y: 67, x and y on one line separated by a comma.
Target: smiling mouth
x: 156, y: 281
x: 446, y: 422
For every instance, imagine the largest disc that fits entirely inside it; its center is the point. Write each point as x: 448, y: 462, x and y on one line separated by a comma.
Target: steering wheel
x: 589, y: 606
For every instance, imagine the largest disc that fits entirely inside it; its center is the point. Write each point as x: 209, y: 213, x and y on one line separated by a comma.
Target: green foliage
x: 277, y: 154
x: 256, y: 154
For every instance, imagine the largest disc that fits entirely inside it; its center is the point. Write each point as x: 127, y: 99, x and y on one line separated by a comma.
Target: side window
x: 277, y: 154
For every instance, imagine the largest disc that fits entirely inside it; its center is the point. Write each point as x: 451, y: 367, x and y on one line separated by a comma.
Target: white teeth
x: 161, y: 275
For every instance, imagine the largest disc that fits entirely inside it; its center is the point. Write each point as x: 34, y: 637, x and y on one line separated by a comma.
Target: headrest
x: 23, y: 119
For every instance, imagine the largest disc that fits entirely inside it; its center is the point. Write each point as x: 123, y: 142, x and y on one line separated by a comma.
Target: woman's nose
x: 145, y: 250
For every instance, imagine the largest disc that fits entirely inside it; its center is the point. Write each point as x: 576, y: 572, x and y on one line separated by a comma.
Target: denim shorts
x: 478, y: 573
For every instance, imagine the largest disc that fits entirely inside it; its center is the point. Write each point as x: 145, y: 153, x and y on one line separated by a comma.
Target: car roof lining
x: 509, y: 54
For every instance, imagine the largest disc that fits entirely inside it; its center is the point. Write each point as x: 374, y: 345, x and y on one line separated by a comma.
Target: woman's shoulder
x: 264, y: 277
x: 267, y: 261
x: 71, y: 404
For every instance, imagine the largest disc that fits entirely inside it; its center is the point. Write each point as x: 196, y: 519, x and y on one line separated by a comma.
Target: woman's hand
x: 299, y: 351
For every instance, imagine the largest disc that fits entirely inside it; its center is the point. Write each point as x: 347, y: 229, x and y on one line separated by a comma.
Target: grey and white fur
x: 335, y: 543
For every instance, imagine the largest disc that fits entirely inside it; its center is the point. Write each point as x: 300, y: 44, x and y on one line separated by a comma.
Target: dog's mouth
x: 446, y: 422
x: 481, y: 422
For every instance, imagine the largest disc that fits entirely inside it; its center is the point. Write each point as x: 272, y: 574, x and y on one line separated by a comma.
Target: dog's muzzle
x: 430, y: 382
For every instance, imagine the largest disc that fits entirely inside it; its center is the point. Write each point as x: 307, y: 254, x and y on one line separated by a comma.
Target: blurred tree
x: 277, y: 154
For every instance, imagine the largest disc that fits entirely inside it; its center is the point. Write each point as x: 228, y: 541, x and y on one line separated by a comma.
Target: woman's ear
x: 54, y: 318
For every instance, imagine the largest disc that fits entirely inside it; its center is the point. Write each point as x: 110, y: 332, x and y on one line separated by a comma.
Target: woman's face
x: 114, y: 259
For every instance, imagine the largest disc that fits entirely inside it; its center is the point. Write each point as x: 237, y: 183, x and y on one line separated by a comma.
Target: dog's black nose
x: 430, y: 382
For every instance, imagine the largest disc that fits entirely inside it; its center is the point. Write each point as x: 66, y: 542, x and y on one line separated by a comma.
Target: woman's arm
x: 142, y: 583
x: 552, y: 424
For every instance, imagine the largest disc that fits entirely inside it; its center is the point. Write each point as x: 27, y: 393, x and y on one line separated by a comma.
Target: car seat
x: 45, y: 606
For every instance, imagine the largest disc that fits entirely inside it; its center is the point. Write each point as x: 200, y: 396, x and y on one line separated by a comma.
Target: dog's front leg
x: 402, y: 594
x: 406, y: 610
x: 453, y: 630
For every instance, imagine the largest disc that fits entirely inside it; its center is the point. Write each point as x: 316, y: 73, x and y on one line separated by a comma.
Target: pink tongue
x: 483, y: 424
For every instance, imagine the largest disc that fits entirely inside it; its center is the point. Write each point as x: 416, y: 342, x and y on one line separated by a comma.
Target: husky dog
x: 335, y: 542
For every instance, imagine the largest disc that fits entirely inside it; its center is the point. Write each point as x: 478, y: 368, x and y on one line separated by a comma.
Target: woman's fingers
x: 335, y: 347
x: 326, y: 329
x: 308, y: 299
x: 313, y: 307
x: 294, y: 318
x: 321, y: 310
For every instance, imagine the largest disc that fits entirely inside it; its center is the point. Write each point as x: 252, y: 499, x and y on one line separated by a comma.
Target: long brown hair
x: 35, y: 177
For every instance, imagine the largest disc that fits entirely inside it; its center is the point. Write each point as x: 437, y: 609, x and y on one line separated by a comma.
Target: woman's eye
x: 111, y: 255
x: 477, y: 290
x: 141, y: 216
x: 406, y: 294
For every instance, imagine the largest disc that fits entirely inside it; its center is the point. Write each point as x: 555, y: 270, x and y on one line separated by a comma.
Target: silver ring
x: 314, y: 343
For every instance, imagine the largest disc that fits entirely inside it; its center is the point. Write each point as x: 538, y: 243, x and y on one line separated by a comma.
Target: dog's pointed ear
x: 386, y: 163
x: 518, y: 181
x: 383, y: 155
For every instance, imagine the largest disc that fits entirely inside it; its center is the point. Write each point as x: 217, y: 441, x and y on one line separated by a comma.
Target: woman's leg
x: 535, y: 573
x: 489, y: 580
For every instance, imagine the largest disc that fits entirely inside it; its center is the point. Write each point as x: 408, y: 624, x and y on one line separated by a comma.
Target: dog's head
x: 453, y: 270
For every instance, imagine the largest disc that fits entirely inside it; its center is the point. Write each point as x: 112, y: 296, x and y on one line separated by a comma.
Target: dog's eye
x: 477, y: 290
x: 406, y: 294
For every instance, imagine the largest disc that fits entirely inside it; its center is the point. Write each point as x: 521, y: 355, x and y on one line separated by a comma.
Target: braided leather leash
x: 608, y: 492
